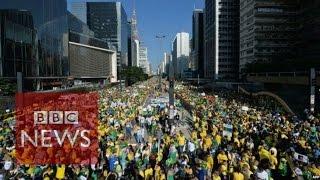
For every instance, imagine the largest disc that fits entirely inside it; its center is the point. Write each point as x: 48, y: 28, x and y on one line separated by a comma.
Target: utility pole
x: 171, y: 84
x: 312, y: 89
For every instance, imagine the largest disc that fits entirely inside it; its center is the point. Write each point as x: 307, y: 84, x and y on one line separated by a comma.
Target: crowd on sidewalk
x: 227, y: 141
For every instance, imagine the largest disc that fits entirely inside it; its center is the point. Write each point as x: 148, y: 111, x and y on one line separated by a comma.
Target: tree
x: 133, y: 75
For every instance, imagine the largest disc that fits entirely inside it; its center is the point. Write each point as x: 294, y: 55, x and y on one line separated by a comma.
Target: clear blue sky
x: 165, y: 17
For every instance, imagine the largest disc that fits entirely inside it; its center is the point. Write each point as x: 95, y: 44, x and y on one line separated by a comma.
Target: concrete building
x: 130, y: 44
x: 91, y: 59
x: 89, y: 62
x: 143, y: 59
x: 308, y: 44
x: 135, y: 52
x: 209, y: 42
x: 166, y: 60
x: 221, y: 39
x: 197, y: 52
x: 180, y: 54
x: 148, y: 69
x: 267, y: 31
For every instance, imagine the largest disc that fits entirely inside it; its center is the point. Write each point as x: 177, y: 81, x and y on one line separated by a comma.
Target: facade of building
x: 91, y: 62
x: 49, y: 36
x: 130, y: 44
x: 308, y: 44
x: 18, y: 44
x: 90, y: 58
x: 135, y: 52
x: 197, y: 52
x: 209, y: 41
x: 143, y: 59
x: 267, y: 31
x: 222, y: 39
x: 135, y: 47
x: 166, y: 63
x: 108, y: 20
x: 180, y: 53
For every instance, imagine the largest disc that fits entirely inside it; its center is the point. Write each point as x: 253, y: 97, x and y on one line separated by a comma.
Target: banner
x: 227, y: 130
x: 301, y: 157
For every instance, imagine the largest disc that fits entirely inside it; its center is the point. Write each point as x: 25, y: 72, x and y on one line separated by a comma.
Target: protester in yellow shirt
x: 237, y: 175
x: 263, y: 153
x: 60, y: 174
x: 181, y: 142
x: 181, y: 139
x: 222, y: 157
x: 215, y: 176
x: 210, y: 162
x: 218, y: 139
x: 207, y: 143
x: 148, y: 173
x: 194, y: 135
x: 273, y: 158
x: 203, y: 134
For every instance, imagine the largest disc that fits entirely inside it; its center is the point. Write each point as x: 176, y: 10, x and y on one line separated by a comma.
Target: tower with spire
x: 135, y: 38
x: 134, y: 23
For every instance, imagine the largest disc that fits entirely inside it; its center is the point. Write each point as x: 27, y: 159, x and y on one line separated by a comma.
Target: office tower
x: 19, y: 53
x: 108, y: 20
x: 38, y: 36
x: 143, y: 58
x: 221, y: 39
x: 135, y: 52
x: 180, y: 54
x: 209, y: 34
x: 166, y: 62
x: 150, y: 69
x: 130, y: 44
x: 197, y: 62
x: 267, y: 31
x: 135, y: 38
x: 134, y: 25
x: 308, y: 45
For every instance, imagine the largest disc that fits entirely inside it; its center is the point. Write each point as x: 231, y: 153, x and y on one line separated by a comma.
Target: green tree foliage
x: 133, y: 75
x: 7, y: 87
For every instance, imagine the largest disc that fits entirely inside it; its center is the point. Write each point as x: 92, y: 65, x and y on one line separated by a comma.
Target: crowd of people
x: 227, y: 141
x: 246, y: 137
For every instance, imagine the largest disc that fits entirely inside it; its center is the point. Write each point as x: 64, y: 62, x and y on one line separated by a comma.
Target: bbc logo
x: 56, y: 117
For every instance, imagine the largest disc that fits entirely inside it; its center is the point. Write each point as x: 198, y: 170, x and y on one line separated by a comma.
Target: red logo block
x: 57, y: 128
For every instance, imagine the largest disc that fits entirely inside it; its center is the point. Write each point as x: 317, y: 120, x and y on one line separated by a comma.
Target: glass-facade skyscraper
x: 222, y: 39
x: 34, y: 32
x: 108, y: 20
x: 197, y: 62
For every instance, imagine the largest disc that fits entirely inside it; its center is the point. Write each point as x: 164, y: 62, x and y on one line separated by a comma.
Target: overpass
x: 293, y: 78
x: 195, y: 80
